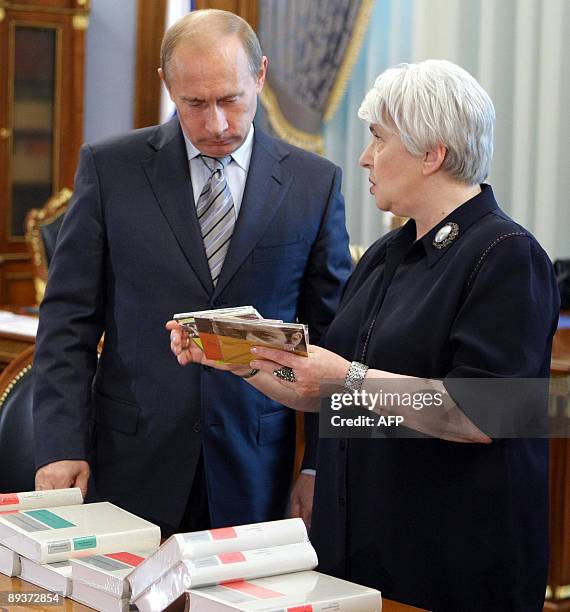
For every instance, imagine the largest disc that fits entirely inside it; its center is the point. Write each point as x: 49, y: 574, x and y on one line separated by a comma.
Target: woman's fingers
x: 265, y: 365
x: 279, y: 357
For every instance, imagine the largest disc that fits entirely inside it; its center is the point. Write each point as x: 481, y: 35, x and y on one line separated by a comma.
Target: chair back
x: 17, y: 467
x: 41, y: 230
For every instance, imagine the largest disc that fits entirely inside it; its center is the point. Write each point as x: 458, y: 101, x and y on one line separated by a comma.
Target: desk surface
x: 18, y: 585
x: 17, y: 333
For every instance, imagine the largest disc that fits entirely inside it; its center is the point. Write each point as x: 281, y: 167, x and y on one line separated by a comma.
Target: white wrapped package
x: 9, y: 562
x: 200, y: 544
x: 108, y: 572
x: 28, y: 500
x: 299, y: 591
x: 98, y: 599
x: 225, y: 567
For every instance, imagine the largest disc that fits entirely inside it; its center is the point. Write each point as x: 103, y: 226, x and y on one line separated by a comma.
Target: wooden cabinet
x: 558, y: 596
x: 41, y: 121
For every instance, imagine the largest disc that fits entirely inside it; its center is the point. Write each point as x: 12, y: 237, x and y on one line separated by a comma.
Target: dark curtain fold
x: 311, y: 45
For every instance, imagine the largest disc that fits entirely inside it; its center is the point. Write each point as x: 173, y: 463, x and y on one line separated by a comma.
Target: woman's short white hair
x: 436, y: 102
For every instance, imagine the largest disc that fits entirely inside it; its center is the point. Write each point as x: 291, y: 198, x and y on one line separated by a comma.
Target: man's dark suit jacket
x: 129, y: 255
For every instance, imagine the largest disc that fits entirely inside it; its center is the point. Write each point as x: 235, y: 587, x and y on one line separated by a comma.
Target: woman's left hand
x: 309, y: 372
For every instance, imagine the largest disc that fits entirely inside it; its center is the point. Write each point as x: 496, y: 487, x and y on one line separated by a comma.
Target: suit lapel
x: 168, y: 173
x: 266, y: 186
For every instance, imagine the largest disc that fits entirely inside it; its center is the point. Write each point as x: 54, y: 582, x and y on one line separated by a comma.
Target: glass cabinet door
x: 42, y: 53
x: 33, y: 156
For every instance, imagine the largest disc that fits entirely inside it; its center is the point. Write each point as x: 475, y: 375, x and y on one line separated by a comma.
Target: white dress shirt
x: 236, y: 171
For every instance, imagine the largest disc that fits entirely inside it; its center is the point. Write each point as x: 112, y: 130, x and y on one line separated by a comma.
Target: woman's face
x: 395, y: 175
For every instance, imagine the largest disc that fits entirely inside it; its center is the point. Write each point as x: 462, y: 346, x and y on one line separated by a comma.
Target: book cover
x: 187, y: 319
x: 230, y: 340
x: 207, y: 339
x: 99, y: 600
x: 200, y: 544
x: 298, y: 592
x: 224, y: 567
x: 54, y: 577
x: 57, y: 534
x: 39, y: 499
x: 108, y: 572
x: 9, y: 562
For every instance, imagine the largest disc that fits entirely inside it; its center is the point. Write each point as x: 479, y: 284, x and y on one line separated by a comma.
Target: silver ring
x: 285, y: 373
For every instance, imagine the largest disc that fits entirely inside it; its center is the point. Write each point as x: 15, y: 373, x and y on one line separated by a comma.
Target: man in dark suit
x: 186, y: 448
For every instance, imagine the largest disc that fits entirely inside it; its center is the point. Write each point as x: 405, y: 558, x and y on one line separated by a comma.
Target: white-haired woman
x: 457, y: 519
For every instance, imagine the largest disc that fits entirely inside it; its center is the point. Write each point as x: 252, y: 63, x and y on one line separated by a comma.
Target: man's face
x: 215, y: 94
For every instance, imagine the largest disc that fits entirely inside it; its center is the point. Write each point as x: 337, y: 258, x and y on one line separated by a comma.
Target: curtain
x: 311, y: 45
x: 520, y: 52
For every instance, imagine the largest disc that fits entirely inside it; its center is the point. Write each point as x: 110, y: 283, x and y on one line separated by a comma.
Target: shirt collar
x: 241, y: 155
x: 464, y: 216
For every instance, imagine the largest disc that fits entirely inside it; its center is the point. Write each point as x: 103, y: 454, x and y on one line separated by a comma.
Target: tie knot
x: 216, y: 163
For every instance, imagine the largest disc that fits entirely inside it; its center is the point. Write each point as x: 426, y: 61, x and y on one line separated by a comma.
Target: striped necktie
x: 216, y: 214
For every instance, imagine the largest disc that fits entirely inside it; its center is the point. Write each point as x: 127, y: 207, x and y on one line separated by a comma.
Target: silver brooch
x: 445, y: 235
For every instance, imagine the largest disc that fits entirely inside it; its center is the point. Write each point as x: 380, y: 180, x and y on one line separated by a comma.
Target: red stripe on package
x: 252, y: 589
x: 223, y: 533
x: 125, y: 557
x: 231, y: 557
x: 307, y: 608
x: 8, y: 499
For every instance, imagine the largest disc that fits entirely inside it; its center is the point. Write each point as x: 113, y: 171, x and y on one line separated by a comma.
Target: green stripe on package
x: 84, y: 543
x: 49, y: 518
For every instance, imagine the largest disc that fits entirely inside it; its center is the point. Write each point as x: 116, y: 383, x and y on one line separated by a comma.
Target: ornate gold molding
x: 284, y: 129
x: 36, y: 217
x: 80, y: 22
x: 349, y: 59
x: 42, y: 8
x: 559, y: 593
x: 14, y: 382
x: 2, y: 13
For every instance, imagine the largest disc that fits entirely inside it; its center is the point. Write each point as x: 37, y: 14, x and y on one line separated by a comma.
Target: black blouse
x: 443, y: 525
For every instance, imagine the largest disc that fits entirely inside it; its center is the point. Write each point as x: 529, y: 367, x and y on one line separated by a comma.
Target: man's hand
x: 187, y: 351
x: 181, y: 345
x: 302, y: 498
x: 63, y: 475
